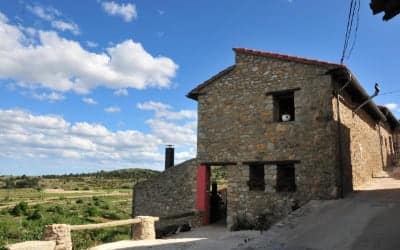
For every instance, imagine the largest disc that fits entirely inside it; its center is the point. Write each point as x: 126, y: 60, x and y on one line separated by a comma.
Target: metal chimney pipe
x: 169, y: 156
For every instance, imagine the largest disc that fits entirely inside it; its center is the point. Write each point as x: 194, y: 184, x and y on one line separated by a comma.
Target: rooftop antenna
x: 377, y: 89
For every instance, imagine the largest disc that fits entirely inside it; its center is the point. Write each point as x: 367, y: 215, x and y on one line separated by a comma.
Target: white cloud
x: 91, y: 44
x: 59, y: 64
x: 24, y: 135
x: 392, y: 106
x: 54, y: 16
x: 63, y: 26
x: 121, y: 92
x: 52, y: 97
x: 47, y: 14
x: 171, y: 133
x: 112, y: 109
x: 164, y: 111
x: 164, y: 128
x: 89, y: 100
x: 126, y: 11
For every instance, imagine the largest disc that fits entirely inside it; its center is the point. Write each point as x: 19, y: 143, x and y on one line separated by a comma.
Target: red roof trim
x: 286, y: 57
x: 194, y: 93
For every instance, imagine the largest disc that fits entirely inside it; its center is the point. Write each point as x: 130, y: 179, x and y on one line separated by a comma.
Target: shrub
x: 79, y: 201
x: 264, y: 221
x: 20, y: 209
x: 92, y: 211
x: 36, y: 215
x: 242, y: 222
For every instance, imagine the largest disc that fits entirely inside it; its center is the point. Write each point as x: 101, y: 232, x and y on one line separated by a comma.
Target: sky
x: 100, y: 85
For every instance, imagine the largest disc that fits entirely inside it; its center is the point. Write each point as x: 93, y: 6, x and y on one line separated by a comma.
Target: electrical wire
x: 391, y: 92
x: 353, y: 20
x: 356, y: 29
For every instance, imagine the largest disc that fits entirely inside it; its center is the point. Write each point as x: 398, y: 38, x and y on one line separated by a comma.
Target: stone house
x: 286, y: 129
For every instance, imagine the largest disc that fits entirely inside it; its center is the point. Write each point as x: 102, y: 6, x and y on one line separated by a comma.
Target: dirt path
x: 366, y: 220
x: 208, y: 237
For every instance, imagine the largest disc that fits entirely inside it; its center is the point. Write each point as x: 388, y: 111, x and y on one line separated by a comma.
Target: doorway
x: 212, y: 193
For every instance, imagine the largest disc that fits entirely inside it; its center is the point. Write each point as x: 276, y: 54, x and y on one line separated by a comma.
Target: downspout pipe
x: 341, y: 162
x: 377, y: 89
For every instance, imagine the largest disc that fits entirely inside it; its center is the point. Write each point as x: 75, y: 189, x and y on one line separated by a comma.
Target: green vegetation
x: 27, y: 204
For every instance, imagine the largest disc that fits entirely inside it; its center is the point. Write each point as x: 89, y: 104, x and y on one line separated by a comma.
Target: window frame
x: 286, y: 188
x: 256, y: 180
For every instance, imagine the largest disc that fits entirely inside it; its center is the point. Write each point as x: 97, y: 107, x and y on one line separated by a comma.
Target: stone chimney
x: 169, y: 156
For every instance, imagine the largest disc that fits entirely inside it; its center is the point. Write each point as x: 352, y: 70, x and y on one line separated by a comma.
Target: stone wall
x: 170, y: 196
x: 397, y: 147
x: 367, y: 145
x: 236, y: 124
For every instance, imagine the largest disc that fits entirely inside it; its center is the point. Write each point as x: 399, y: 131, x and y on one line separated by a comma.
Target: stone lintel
x: 272, y: 162
x: 281, y: 92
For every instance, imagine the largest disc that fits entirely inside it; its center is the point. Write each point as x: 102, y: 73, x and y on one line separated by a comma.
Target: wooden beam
x: 272, y: 162
x: 282, y: 92
x: 108, y: 224
x: 216, y: 163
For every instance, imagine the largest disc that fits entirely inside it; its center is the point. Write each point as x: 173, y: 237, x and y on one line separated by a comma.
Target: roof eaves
x: 392, y: 120
x: 194, y: 93
x: 370, y: 107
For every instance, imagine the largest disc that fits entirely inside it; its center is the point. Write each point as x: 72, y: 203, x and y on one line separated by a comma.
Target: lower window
x: 285, y: 178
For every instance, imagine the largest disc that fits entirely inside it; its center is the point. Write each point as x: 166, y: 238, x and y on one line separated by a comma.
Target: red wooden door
x: 203, y: 186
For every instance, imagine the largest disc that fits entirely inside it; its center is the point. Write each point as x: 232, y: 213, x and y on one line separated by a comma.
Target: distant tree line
x: 22, y: 182
x: 130, y: 173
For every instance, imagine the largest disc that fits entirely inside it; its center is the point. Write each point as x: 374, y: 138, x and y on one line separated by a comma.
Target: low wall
x: 171, y: 196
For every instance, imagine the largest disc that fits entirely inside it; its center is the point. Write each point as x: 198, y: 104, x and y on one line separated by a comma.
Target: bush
x: 92, y: 211
x: 264, y: 221
x: 36, y: 215
x: 242, y: 222
x: 20, y: 209
x: 79, y: 201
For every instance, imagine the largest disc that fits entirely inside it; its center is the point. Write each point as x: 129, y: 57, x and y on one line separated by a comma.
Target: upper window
x: 285, y: 178
x: 284, y: 107
x: 256, y: 180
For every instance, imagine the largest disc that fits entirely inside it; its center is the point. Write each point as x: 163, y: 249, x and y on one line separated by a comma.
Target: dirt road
x: 365, y: 220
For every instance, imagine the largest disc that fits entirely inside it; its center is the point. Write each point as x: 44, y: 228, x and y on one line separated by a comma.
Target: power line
x: 391, y: 92
x: 354, y: 14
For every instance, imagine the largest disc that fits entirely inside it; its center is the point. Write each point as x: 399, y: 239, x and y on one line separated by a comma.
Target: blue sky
x: 101, y: 84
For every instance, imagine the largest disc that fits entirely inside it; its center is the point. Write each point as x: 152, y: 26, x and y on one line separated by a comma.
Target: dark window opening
x: 256, y: 180
x: 284, y: 107
x: 391, y: 145
x: 285, y: 178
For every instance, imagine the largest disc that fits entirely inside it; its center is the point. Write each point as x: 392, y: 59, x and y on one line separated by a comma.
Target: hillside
x: 27, y: 203
x: 115, y: 179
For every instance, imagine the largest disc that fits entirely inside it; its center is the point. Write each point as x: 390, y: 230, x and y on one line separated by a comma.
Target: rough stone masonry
x: 287, y: 131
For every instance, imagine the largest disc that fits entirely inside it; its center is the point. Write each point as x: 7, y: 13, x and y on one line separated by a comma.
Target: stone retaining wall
x: 169, y: 194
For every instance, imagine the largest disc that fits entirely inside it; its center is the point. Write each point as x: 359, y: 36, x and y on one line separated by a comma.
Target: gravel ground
x: 365, y: 220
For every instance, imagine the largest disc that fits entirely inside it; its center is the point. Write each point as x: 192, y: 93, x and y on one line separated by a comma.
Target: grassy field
x: 68, y: 199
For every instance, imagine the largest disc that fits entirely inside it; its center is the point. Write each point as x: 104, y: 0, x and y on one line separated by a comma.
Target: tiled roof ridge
x: 286, y: 57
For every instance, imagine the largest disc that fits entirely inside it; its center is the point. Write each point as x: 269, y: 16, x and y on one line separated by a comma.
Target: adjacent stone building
x: 287, y: 130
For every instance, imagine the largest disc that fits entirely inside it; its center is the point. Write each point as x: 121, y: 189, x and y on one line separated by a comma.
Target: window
x: 256, y: 180
x: 391, y: 145
x: 284, y: 107
x: 285, y: 178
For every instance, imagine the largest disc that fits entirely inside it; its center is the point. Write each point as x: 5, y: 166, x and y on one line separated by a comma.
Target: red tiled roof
x: 285, y: 57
